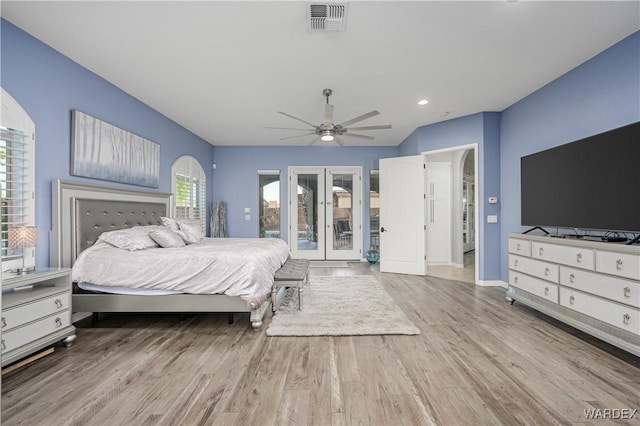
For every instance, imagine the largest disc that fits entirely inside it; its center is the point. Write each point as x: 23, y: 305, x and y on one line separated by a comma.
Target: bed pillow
x: 132, y: 239
x: 170, y: 223
x: 188, y: 237
x: 192, y: 226
x: 166, y: 238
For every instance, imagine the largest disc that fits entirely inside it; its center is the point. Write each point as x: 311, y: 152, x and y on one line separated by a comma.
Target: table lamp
x: 21, y: 237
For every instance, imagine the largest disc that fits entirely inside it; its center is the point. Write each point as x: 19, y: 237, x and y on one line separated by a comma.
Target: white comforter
x: 241, y: 267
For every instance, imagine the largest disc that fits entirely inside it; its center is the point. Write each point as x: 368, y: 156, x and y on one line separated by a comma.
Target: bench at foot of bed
x: 294, y: 273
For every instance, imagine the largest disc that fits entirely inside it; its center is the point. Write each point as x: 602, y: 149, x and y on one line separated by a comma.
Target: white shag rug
x: 340, y: 306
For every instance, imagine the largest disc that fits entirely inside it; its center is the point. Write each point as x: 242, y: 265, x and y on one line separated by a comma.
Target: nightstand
x: 36, y: 312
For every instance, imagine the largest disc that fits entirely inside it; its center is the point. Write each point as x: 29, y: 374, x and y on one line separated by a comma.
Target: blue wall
x: 599, y: 95
x: 48, y: 86
x: 236, y: 178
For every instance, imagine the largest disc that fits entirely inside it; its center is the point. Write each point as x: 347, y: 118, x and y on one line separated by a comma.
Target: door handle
x: 382, y: 229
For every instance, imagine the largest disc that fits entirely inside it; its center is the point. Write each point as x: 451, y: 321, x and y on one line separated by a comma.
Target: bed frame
x: 81, y: 212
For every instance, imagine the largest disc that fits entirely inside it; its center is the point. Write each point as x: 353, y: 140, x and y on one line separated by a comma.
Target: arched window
x: 17, y: 177
x: 189, y: 187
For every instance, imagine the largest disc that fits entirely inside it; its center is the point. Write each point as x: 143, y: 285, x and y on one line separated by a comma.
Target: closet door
x: 343, y: 213
x: 307, y: 213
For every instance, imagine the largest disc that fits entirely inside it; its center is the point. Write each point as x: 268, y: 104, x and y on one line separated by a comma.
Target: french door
x: 325, y: 213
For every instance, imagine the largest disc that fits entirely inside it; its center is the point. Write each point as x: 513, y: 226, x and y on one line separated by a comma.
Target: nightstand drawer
x: 613, y: 313
x: 546, y: 271
x: 619, y: 264
x: 23, y: 314
x: 533, y: 285
x: 572, y: 256
x: 617, y: 289
x: 33, y: 331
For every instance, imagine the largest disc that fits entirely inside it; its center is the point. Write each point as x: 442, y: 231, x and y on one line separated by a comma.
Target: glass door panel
x: 306, y: 238
x: 344, y: 214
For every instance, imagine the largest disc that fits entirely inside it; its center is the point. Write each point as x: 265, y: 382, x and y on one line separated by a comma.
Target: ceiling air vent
x: 327, y: 16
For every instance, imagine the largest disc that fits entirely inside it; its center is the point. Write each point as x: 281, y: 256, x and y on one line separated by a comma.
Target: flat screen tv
x: 590, y: 184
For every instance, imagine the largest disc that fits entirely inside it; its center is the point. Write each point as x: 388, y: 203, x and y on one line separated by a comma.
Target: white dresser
x: 592, y: 286
x: 36, y: 312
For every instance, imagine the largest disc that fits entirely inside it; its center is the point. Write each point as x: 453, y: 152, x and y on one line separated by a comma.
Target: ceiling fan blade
x: 338, y: 141
x: 328, y: 113
x: 286, y: 128
x: 296, y: 118
x: 380, y: 127
x: 297, y: 136
x: 315, y: 140
x: 355, y: 135
x: 360, y: 118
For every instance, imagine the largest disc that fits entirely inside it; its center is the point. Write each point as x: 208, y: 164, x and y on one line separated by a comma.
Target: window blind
x: 190, y: 190
x: 16, y: 194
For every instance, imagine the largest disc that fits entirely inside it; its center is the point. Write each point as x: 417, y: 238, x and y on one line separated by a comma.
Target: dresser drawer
x: 23, y: 314
x: 26, y: 334
x: 521, y: 247
x: 619, y: 264
x: 612, y: 313
x: 617, y: 289
x: 533, y: 285
x: 545, y: 270
x: 566, y: 255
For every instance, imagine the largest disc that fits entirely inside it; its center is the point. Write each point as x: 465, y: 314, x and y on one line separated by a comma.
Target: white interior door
x: 325, y: 213
x: 402, y: 215
x: 439, y: 213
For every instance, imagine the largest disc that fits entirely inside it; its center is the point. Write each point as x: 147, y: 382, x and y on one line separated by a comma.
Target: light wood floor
x: 465, y: 274
x: 478, y: 361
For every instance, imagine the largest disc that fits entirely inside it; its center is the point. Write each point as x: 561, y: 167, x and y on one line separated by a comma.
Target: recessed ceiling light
x: 423, y: 102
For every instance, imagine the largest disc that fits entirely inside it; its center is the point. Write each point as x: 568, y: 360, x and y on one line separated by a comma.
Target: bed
x: 82, y: 212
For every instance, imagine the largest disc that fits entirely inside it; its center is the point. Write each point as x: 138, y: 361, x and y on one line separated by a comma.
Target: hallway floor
x: 466, y: 274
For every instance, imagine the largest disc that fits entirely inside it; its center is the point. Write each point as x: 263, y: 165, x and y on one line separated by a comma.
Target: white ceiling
x: 223, y: 69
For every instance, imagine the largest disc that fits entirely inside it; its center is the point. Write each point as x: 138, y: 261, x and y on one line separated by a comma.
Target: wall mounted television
x: 589, y: 184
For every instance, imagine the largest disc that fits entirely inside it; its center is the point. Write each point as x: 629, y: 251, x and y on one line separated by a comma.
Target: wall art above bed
x: 103, y: 151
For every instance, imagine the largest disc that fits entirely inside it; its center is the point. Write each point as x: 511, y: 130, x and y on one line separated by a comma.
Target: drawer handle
x: 619, y: 264
x: 546, y: 291
x: 627, y: 293
x: 572, y: 278
x: 579, y: 257
x: 572, y: 299
x: 3, y: 345
x: 4, y: 322
x: 58, y: 303
x: 626, y: 318
x: 515, y: 263
x: 540, y: 251
x: 518, y: 247
x: 58, y: 322
x: 546, y: 271
x: 515, y: 280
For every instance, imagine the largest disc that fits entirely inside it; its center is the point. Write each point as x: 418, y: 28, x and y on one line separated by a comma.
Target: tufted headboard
x: 93, y: 217
x: 81, y: 212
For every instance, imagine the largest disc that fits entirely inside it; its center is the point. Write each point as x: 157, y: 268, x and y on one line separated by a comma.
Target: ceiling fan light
x: 327, y: 136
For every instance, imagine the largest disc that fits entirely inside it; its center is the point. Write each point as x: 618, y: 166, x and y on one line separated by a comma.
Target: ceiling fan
x: 327, y: 131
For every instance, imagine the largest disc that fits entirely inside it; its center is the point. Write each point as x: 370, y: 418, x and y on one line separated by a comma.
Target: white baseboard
x: 492, y: 283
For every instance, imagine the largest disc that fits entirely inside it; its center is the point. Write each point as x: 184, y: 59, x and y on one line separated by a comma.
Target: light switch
x: 492, y: 218
x: 247, y: 217
x: 493, y: 200
x: 247, y: 209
